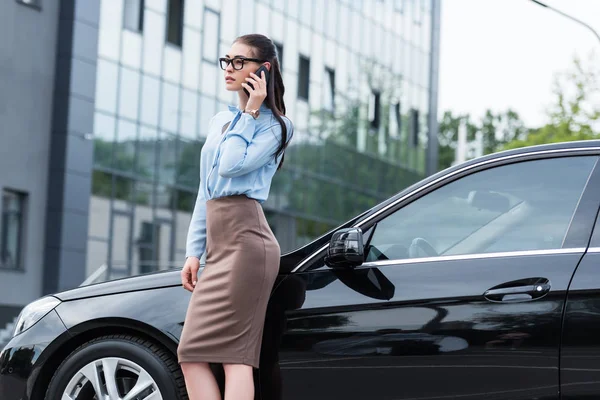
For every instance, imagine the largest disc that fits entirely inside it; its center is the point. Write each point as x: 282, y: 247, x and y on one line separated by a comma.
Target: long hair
x: 263, y: 48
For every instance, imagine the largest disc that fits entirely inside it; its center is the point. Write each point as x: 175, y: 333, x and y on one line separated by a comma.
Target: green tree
x: 574, y: 113
x: 448, y: 136
x: 497, y: 129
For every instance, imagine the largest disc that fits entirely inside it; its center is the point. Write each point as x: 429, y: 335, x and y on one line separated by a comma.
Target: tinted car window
x: 521, y: 206
x: 596, y: 236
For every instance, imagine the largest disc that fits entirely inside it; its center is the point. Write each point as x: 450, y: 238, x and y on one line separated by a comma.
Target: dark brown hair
x: 264, y: 49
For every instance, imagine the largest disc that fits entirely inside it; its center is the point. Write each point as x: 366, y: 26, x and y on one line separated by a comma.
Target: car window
x: 521, y: 206
x: 596, y: 236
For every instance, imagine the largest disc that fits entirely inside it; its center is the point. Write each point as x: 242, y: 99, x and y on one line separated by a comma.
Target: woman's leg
x: 200, y: 382
x: 239, y: 382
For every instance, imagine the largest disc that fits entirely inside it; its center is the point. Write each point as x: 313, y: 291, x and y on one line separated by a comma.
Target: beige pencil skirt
x: 225, y: 317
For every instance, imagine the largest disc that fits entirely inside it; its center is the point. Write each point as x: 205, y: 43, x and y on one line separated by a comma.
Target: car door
x: 580, y: 352
x: 461, y: 294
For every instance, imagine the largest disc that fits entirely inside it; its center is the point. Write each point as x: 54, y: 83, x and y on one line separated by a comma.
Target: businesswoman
x: 244, y: 148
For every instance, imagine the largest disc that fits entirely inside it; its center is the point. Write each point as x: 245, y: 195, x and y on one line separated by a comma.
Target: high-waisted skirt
x: 225, y: 317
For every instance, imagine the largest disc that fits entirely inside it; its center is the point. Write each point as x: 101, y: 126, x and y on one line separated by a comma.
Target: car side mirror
x: 346, y: 249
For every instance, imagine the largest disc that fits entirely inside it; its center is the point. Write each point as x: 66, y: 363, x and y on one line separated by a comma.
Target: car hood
x: 139, y: 282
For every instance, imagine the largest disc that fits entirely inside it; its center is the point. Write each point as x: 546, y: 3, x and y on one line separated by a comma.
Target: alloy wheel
x: 112, y: 378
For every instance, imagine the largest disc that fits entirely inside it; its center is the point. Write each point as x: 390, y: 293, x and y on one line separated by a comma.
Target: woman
x: 243, y: 150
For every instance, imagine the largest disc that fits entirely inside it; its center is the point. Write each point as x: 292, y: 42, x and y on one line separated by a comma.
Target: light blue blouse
x: 240, y: 161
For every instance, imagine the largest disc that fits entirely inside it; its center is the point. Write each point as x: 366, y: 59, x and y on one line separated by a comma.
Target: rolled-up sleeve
x: 246, y: 149
x: 196, y: 238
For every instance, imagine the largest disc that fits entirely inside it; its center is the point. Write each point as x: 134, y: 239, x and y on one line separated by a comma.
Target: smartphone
x: 258, y: 72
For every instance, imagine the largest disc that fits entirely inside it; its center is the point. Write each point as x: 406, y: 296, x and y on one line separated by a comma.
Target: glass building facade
x: 361, y: 88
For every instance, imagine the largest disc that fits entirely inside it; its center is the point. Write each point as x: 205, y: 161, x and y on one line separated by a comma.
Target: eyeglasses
x: 237, y: 62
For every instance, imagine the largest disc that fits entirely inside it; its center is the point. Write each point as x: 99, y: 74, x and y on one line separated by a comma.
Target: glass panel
x: 109, y: 34
x: 290, y: 56
x: 106, y: 86
x: 191, y: 58
x: 143, y: 241
x: 293, y: 8
x: 183, y: 215
x: 209, y: 78
x: 129, y: 93
x: 163, y: 201
x: 132, y: 49
x: 229, y: 13
x: 344, y: 36
x: 150, y: 98
x: 495, y: 210
x: 175, y: 22
x: 124, y: 150
x: 246, y: 24
x: 303, y: 78
x: 123, y: 190
x: 120, y: 236
x: 146, y: 157
x: 158, y: 5
x: 192, y: 14
x: 319, y: 16
x: 172, y: 67
x: 207, y: 111
x: 332, y: 14
x: 189, y: 113
x: 329, y: 90
x: 154, y: 39
x: 11, y: 228
x: 170, y: 107
x: 133, y: 13
x: 306, y: 12
x: 97, y: 252
x: 144, y: 194
x: 164, y: 246
x: 101, y: 184
x: 305, y: 40
x: 167, y: 158
x: 99, y: 211
x: 188, y: 163
x: 104, y: 135
x: 210, y: 47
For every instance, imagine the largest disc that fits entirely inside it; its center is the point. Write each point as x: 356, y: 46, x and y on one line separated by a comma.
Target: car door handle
x: 518, y: 292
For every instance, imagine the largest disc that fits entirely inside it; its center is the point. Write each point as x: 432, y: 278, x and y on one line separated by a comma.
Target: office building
x: 106, y: 106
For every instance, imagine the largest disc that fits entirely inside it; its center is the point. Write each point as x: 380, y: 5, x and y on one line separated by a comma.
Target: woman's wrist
x: 252, y: 106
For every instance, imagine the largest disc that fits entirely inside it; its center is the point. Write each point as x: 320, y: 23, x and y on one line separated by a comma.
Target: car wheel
x: 118, y: 367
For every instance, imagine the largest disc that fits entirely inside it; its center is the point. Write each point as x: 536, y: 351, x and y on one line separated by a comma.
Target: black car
x: 480, y: 282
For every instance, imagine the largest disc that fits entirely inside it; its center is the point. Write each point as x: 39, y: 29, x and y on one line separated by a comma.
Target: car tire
x: 132, y: 363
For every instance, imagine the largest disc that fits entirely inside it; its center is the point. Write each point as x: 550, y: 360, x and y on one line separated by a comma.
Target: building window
x: 11, y: 228
x: 395, y: 120
x: 329, y: 103
x: 375, y: 109
x: 211, y: 35
x: 280, y: 54
x: 31, y: 3
x: 303, y: 78
x: 418, y: 10
x: 399, y: 5
x: 175, y: 22
x: 133, y: 15
x: 414, y: 126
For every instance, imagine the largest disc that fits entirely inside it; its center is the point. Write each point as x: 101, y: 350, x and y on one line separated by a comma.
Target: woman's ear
x: 268, y: 65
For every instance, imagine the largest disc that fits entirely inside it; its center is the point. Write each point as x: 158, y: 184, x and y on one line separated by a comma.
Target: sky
x: 504, y: 53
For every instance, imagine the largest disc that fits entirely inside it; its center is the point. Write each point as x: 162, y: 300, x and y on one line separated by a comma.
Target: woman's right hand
x: 189, y: 273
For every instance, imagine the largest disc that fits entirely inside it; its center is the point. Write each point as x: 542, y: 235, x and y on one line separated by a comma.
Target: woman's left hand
x: 259, y: 93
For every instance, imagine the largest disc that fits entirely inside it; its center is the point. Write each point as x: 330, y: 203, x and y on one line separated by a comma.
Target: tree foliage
x: 574, y: 113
